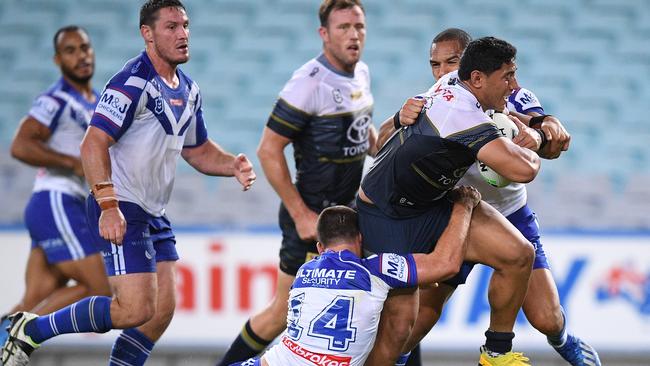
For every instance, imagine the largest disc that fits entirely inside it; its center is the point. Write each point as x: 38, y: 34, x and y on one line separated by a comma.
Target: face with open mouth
x: 499, y: 86
x: 171, y: 35
x: 75, y: 56
x: 344, y: 37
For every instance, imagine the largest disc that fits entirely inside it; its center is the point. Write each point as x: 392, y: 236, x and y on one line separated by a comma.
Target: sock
x: 415, y: 359
x: 499, y: 342
x: 401, y: 361
x: 92, y: 314
x: 131, y: 348
x: 246, y: 345
x: 559, y: 339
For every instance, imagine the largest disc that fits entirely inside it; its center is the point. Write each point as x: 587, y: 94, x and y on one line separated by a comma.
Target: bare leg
x: 542, y: 304
x: 271, y: 321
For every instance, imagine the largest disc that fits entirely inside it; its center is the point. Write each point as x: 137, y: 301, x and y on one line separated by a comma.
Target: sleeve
x: 47, y: 110
x: 524, y: 101
x: 397, y: 271
x: 197, y: 132
x: 117, y: 106
x: 295, y: 106
x: 473, y: 129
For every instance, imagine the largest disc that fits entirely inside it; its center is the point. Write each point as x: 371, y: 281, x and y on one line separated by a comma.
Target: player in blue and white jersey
x: 325, y: 112
x: 542, y: 305
x: 148, y: 115
x: 336, y: 299
x: 49, y: 138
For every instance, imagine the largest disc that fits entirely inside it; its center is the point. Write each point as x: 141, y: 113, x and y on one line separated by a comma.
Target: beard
x: 70, y: 74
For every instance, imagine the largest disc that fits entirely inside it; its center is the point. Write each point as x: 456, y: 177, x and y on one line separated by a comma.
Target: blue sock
x: 92, y: 314
x: 131, y: 348
x: 401, y: 361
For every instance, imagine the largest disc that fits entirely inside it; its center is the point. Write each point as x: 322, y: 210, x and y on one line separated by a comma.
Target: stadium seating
x: 587, y: 60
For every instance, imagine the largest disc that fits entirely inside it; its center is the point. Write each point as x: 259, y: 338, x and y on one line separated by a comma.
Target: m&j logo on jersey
x: 395, y: 266
x: 113, y: 105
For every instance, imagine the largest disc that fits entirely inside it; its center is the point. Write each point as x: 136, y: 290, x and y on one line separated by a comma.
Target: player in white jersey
x: 325, y: 112
x: 336, y: 299
x: 148, y: 115
x: 49, y: 138
x: 542, y: 306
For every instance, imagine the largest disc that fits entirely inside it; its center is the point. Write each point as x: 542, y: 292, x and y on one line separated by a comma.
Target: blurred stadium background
x: 588, y: 61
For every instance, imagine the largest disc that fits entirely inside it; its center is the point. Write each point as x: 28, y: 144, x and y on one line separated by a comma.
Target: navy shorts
x: 525, y: 220
x: 148, y: 240
x: 294, y: 252
x: 57, y: 224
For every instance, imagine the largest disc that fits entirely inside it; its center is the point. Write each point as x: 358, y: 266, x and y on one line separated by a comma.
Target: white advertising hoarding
x: 603, y: 281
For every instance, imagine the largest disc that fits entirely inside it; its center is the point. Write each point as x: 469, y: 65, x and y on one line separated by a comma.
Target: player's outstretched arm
x: 97, y: 167
x: 29, y: 146
x: 447, y: 257
x: 271, y: 155
x: 210, y: 159
x: 408, y: 114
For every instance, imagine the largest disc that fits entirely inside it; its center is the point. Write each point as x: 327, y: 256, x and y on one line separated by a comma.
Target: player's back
x: 335, y: 305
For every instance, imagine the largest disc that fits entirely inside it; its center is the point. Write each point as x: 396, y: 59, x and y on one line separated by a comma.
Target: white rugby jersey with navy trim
x: 66, y: 113
x: 334, y: 308
x: 327, y: 114
x: 512, y: 197
x: 151, y: 123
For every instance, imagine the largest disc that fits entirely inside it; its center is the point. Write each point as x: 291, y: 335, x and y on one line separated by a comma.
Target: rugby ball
x: 508, y: 129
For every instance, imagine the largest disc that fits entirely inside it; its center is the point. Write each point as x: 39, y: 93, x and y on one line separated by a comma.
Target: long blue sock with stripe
x: 92, y: 314
x: 132, y: 348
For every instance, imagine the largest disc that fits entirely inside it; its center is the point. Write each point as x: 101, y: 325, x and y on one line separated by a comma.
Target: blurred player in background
x: 542, y: 304
x: 402, y: 198
x: 325, y: 111
x: 336, y: 298
x: 148, y: 115
x: 49, y: 138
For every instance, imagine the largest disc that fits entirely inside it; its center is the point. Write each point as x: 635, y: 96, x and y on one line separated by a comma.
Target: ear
x: 324, y: 35
x: 57, y: 59
x: 147, y: 33
x: 476, y: 79
x: 320, y: 247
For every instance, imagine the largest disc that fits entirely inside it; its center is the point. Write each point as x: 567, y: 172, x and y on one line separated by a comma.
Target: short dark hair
x: 337, y: 223
x: 453, y: 34
x: 328, y: 6
x: 487, y: 55
x: 149, y: 10
x: 66, y: 29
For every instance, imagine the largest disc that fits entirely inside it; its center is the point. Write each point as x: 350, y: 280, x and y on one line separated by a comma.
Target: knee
x: 523, y: 257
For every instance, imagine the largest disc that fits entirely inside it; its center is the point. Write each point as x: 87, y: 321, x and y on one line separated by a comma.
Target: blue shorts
x: 57, y: 224
x: 148, y: 240
x: 250, y: 362
x: 525, y: 220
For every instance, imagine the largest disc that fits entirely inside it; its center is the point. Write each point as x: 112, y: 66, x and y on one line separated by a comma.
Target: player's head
x: 343, y: 31
x: 446, y: 49
x: 338, y: 225
x: 74, y: 54
x: 488, y: 68
x: 164, y: 25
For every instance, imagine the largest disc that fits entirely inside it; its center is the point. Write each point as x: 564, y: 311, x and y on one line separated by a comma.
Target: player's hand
x: 410, y: 111
x: 465, y: 195
x: 112, y: 225
x: 244, y: 171
x: 527, y: 137
x: 306, y: 225
x: 558, y: 139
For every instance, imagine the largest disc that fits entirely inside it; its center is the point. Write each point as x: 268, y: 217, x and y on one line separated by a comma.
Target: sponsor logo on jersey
x: 323, y: 277
x: 359, y: 129
x: 113, y: 105
x: 159, y: 105
x: 136, y: 67
x: 338, y: 97
x: 47, y: 106
x: 314, y: 71
x: 315, y: 357
x: 176, y: 102
x: 396, y: 266
x: 527, y: 98
x: 356, y: 95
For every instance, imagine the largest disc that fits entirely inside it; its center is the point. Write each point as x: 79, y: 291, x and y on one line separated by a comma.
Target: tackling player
x: 325, y: 112
x: 148, y: 115
x: 336, y: 299
x: 49, y: 138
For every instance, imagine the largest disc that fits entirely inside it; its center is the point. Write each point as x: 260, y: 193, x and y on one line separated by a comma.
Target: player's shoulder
x: 134, y: 75
x: 309, y: 75
x: 51, y: 98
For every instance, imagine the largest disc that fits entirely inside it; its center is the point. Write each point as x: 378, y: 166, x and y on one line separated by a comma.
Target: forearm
x: 277, y: 173
x: 386, y: 129
x: 372, y: 141
x: 96, y: 162
x: 211, y: 159
x: 38, y: 154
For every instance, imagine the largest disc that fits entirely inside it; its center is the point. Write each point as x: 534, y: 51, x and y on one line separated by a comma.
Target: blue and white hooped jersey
x: 512, y: 197
x: 66, y: 113
x: 151, y: 124
x: 335, y: 305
